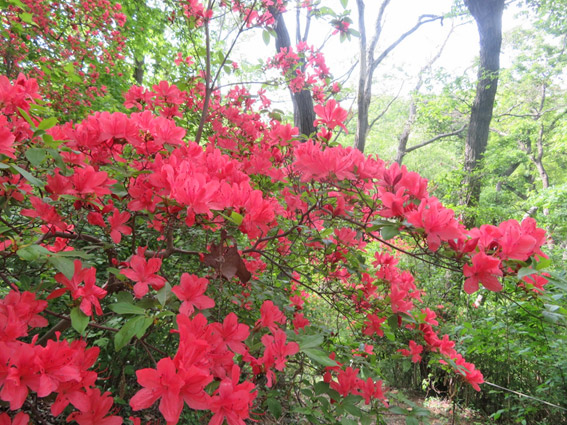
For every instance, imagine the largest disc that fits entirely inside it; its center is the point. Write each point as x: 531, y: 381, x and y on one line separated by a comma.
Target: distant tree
x: 370, y: 60
x: 403, y: 139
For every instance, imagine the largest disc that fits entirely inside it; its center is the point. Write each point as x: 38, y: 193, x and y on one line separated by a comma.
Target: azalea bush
x: 73, y: 48
x: 195, y: 258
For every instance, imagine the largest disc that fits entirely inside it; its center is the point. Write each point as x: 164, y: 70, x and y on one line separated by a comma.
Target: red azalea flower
x: 191, y: 291
x: 270, y: 314
x: 143, y: 273
x: 485, y: 270
x: 331, y: 114
x: 93, y: 408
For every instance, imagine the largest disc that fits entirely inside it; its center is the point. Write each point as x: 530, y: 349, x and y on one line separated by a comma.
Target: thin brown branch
x: 386, y: 109
x: 423, y: 19
x: 434, y: 139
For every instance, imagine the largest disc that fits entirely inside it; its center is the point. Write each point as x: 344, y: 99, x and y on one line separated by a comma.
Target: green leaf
x: 164, y: 293
x: 79, y: 320
x: 551, y: 317
x: 124, y: 297
x: 421, y: 411
x: 55, y: 154
x: 352, y: 409
x: 71, y: 75
x: 321, y: 387
x: 142, y: 330
x: 344, y: 3
x: 307, y: 392
x: 63, y: 264
x: 27, y: 18
x: 236, y: 218
x: 543, y: 263
x: 326, y: 232
x: 310, y: 341
x: 116, y: 272
x: 393, y: 322
x: 33, y: 180
x: 47, y: 123
x: 412, y: 420
x: 36, y: 156
x: 69, y: 68
x: 136, y: 326
x: 25, y: 116
x: 49, y: 142
x: 525, y: 271
x: 327, y: 11
x: 388, y: 232
x: 126, y: 308
x: 266, y: 37
x: 397, y: 410
x: 32, y: 252
x: 75, y: 254
x: 319, y: 356
x: 275, y: 407
x: 17, y: 3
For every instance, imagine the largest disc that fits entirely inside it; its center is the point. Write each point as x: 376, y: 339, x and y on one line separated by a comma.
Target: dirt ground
x: 441, y: 412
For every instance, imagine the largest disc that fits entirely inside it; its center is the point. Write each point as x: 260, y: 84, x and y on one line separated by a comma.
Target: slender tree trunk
x: 369, y: 62
x: 537, y: 159
x: 303, y: 114
x: 507, y: 173
x: 404, y: 137
x: 366, y: 72
x: 139, y: 70
x: 488, y: 17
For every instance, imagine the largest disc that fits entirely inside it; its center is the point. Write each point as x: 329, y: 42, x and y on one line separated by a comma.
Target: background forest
x: 488, y: 135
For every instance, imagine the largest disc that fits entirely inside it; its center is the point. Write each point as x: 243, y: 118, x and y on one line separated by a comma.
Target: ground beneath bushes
x: 441, y: 412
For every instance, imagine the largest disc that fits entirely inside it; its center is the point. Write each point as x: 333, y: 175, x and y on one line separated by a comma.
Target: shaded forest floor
x: 441, y: 412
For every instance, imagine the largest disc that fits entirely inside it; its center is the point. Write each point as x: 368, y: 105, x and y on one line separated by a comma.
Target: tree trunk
x: 404, y: 137
x: 139, y: 70
x: 303, y: 114
x: 488, y: 17
x: 366, y: 72
x: 362, y: 125
x: 369, y: 63
x: 537, y: 158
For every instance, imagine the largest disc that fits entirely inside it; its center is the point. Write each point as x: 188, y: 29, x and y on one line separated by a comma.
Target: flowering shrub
x: 209, y: 265
x: 71, y: 47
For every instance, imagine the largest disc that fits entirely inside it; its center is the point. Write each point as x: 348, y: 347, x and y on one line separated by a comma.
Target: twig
x: 525, y: 395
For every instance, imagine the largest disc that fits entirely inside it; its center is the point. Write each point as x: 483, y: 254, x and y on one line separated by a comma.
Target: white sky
x: 408, y: 58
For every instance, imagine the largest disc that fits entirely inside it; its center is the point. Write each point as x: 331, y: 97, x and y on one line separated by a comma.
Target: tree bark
x: 369, y: 63
x: 303, y: 113
x: 507, y: 173
x: 366, y: 72
x: 139, y: 70
x: 488, y: 17
x: 404, y: 137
